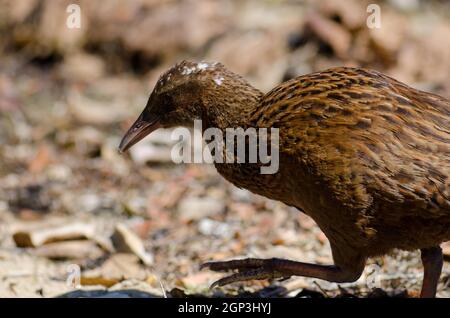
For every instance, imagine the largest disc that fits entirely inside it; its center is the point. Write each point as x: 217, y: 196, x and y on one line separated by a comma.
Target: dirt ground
x: 78, y: 219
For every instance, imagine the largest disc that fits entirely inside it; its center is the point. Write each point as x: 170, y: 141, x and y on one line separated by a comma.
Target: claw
x: 248, y: 269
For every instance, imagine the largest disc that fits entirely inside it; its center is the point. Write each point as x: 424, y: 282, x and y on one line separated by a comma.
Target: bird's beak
x: 141, y: 128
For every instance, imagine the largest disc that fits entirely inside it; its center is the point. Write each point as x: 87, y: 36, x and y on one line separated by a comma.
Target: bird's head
x: 176, y: 99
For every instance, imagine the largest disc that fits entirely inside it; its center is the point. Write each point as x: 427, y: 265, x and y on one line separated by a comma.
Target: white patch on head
x: 218, y: 80
x: 195, y: 68
x: 188, y: 70
x: 202, y: 66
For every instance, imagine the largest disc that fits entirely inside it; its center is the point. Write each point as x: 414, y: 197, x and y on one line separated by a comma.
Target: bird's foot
x: 248, y: 269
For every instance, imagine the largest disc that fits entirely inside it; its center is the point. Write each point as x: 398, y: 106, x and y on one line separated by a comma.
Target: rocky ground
x: 78, y: 219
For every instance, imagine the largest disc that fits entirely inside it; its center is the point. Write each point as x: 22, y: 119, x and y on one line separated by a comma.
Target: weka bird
x: 367, y: 157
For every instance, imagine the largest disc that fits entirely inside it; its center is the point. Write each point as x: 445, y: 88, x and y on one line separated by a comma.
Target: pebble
x: 59, y: 172
x: 136, y: 206
x: 156, y: 147
x: 89, y: 202
x: 195, y: 208
x: 116, y: 268
x: 77, y: 249
x: 126, y: 241
x: 4, y: 206
x: 34, y: 234
x: 242, y: 195
x: 211, y: 227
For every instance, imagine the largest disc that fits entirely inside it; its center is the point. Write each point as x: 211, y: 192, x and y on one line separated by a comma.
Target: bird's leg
x: 432, y: 261
x: 254, y: 268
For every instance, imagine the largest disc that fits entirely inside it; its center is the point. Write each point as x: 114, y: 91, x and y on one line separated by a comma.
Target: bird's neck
x: 228, y: 102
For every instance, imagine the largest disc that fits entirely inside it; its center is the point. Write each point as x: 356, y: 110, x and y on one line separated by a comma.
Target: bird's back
x: 374, y: 144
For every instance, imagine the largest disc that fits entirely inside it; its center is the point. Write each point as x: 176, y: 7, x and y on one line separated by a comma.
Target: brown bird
x: 366, y: 156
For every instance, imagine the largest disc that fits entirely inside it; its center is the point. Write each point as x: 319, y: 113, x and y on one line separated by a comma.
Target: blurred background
x: 75, y: 212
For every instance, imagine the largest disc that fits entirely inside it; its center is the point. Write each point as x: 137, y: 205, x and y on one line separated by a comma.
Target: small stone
x: 4, y: 206
x: 115, y: 160
x: 115, y: 269
x: 88, y: 135
x: 126, y: 241
x: 95, y: 112
x: 82, y: 67
x: 211, y: 227
x: 39, y: 233
x: 155, y: 148
x: 59, y: 172
x: 79, y: 249
x: 136, y: 206
x: 195, y: 208
x: 239, y: 194
x: 89, y: 202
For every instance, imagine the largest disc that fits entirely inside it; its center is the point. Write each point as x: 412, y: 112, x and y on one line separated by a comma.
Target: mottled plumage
x: 381, y: 149
x: 366, y: 156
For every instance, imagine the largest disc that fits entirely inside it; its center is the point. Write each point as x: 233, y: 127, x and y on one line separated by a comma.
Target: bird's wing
x: 366, y: 135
